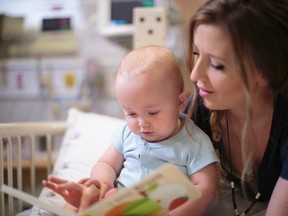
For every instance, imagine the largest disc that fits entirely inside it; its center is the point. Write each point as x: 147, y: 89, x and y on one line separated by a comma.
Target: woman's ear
x: 182, y: 100
x: 262, y: 79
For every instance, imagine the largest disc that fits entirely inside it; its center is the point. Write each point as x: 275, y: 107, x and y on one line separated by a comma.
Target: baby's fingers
x: 83, y: 181
x: 56, y: 188
x: 48, y: 184
x: 98, y: 184
x: 56, y: 180
x: 94, y: 182
x: 103, y: 191
x: 90, y: 196
x: 111, y: 192
x: 63, y: 187
x: 51, y: 185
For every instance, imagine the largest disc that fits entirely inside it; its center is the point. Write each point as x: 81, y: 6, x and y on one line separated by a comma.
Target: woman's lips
x: 204, y: 93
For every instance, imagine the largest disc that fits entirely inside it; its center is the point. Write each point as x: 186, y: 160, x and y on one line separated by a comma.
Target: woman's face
x: 215, y: 72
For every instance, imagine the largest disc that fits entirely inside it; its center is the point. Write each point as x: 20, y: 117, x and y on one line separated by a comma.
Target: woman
x: 238, y: 52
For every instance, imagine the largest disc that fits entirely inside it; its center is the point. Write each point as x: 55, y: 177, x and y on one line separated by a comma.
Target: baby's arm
x: 103, y: 175
x: 108, y: 167
x: 206, y: 180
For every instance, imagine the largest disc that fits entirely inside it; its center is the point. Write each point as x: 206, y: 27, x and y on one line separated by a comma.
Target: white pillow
x: 88, y: 136
x: 86, y: 139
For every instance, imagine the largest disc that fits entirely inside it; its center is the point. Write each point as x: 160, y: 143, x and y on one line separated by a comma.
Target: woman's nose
x: 198, y: 71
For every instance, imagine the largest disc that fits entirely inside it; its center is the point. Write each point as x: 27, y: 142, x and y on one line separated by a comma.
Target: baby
x: 149, y: 87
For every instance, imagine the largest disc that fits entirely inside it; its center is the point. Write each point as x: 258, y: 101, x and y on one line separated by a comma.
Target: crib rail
x: 19, y: 150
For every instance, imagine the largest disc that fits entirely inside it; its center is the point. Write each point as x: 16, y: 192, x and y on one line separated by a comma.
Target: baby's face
x: 151, y: 109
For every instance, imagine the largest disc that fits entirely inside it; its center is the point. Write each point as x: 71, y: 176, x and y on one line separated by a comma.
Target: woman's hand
x: 79, y: 194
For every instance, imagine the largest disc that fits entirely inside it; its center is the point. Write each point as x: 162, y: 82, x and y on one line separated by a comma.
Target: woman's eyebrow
x: 216, y: 57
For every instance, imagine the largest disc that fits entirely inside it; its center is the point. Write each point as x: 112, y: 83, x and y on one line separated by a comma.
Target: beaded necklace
x: 232, y: 185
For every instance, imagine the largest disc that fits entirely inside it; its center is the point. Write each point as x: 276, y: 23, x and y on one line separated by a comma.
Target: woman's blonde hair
x: 258, y: 32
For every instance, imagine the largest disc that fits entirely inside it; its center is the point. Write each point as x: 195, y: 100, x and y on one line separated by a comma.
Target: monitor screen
x: 116, y: 16
x: 56, y: 24
x: 122, y: 10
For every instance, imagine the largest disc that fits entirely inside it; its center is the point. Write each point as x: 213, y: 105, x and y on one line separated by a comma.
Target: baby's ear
x: 182, y: 100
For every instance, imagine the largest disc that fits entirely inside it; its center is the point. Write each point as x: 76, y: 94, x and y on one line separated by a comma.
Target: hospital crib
x: 70, y: 150
x: 19, y: 150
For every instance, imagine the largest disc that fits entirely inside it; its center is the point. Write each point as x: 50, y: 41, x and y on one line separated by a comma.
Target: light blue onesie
x: 190, y: 154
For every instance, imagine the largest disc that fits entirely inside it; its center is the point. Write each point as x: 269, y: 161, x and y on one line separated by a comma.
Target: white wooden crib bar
x: 14, y: 137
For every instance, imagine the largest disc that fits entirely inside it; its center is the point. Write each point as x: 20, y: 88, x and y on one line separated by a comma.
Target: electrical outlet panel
x: 150, y: 26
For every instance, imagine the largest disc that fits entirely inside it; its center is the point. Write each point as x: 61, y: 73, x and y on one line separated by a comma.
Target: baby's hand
x: 72, y: 192
x: 95, y: 190
x: 81, y: 194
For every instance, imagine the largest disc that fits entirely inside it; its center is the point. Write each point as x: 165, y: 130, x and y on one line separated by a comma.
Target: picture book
x: 155, y: 195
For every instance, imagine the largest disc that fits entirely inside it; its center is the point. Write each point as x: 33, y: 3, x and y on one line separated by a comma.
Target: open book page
x: 164, y: 190
x: 155, y: 195
x: 35, y: 201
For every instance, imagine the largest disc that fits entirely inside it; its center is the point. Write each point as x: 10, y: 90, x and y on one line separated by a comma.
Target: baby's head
x: 155, y: 64
x: 149, y: 88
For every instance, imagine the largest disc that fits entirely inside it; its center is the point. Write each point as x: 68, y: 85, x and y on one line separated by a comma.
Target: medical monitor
x: 115, y: 17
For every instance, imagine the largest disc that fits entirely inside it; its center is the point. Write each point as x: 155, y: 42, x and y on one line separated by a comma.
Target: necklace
x: 232, y: 185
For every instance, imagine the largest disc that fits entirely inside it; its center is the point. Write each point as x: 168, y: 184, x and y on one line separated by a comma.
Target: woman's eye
x: 195, y: 56
x: 218, y: 66
x: 195, y: 53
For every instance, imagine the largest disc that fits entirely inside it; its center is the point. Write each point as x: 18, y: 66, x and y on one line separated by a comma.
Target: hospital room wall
x: 52, y: 72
